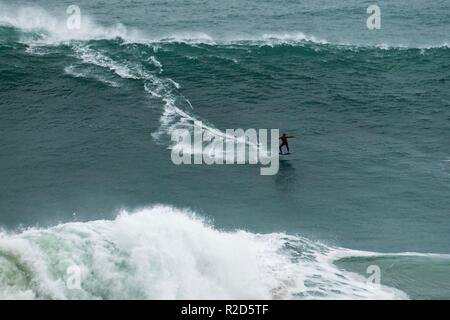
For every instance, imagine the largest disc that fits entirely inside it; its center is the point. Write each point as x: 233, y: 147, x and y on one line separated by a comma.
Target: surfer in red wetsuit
x: 284, y: 142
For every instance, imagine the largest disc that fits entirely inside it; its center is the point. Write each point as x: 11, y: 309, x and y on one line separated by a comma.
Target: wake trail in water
x: 177, y: 111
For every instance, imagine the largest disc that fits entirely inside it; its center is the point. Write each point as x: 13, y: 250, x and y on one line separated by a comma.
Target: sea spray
x: 166, y: 253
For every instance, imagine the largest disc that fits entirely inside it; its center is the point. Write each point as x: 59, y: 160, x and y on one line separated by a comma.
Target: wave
x: 177, y: 109
x: 74, y: 72
x: 167, y: 253
x: 50, y: 29
x: 53, y: 30
x: 163, y: 252
x: 271, y: 39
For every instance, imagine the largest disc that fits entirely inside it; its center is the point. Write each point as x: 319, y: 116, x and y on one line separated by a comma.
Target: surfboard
x: 287, y: 157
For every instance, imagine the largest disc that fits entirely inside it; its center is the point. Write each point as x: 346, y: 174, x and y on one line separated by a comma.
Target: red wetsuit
x: 284, y: 142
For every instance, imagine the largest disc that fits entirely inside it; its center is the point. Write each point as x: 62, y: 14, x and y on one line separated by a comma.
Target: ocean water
x: 87, y: 179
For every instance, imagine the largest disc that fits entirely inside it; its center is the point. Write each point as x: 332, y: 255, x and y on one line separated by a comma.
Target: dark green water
x: 85, y: 131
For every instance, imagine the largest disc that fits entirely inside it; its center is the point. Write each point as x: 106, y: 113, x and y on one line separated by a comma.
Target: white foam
x: 72, y: 71
x: 385, y: 46
x: 53, y: 30
x: 291, y: 37
x: 173, y: 118
x: 166, y: 253
x: 155, y: 62
x: 271, y: 39
x: 90, y: 56
x: 187, y: 37
x: 165, y: 89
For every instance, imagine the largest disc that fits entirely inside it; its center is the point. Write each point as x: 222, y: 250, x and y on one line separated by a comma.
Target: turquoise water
x: 85, y: 134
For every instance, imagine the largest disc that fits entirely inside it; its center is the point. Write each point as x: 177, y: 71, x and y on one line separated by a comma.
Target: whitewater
x: 168, y: 252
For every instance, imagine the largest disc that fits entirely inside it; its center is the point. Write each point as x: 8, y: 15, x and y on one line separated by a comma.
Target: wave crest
x: 167, y: 253
x: 53, y: 30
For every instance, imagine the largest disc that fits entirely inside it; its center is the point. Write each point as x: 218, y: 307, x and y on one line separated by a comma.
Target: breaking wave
x: 49, y: 29
x: 167, y: 253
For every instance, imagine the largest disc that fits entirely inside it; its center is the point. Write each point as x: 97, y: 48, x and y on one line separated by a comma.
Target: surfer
x: 284, y: 142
